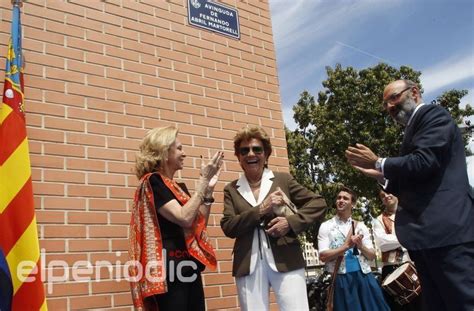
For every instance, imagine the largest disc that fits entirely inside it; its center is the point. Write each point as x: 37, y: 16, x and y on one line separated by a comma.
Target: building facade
x: 98, y: 75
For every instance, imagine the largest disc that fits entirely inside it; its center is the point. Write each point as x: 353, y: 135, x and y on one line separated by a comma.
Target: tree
x: 348, y: 111
x: 451, y: 100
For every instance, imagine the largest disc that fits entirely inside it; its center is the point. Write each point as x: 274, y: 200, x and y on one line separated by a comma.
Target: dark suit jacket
x: 430, y: 179
x: 241, y: 218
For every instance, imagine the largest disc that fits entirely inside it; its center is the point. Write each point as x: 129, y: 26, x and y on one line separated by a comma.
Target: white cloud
x: 312, y: 34
x: 300, y: 23
x: 308, y: 36
x: 302, y: 73
x: 441, y: 76
x: 288, y: 118
x: 301, y: 69
x: 468, y: 99
x: 366, y: 53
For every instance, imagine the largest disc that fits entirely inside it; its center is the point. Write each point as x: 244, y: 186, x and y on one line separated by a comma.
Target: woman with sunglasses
x: 266, y: 251
x: 168, y: 241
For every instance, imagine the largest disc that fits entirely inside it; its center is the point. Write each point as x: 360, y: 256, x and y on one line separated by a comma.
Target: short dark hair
x: 350, y: 191
x: 249, y: 132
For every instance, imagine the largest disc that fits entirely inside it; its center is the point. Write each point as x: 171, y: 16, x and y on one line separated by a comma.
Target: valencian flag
x: 21, y: 286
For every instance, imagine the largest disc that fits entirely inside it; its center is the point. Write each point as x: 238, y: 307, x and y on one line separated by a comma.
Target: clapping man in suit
x: 437, y: 204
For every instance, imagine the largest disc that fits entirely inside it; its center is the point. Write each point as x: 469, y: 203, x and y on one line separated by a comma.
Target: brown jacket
x: 241, y: 218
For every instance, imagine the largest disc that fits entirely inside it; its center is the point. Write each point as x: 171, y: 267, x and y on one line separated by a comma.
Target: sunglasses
x: 255, y: 149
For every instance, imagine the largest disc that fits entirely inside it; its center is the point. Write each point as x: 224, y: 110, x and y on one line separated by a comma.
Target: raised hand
x: 214, y: 179
x: 357, y: 239
x: 371, y: 172
x: 210, y: 174
x: 209, y: 170
x: 361, y: 156
x: 212, y: 184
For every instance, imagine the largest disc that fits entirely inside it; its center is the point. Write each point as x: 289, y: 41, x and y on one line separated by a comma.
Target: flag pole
x: 18, y: 3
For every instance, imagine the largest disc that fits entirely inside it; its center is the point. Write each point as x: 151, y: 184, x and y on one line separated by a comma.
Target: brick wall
x: 98, y: 75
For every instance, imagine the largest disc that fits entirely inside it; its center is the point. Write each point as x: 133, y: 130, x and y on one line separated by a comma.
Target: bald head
x: 394, y: 85
x: 397, y: 87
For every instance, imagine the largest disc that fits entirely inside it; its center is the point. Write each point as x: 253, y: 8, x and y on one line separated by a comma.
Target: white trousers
x: 289, y: 289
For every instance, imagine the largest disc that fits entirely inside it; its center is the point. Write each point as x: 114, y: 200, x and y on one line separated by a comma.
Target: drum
x: 403, y: 283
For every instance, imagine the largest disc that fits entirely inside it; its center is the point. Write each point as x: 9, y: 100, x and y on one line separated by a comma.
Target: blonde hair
x: 154, y: 149
x: 248, y: 133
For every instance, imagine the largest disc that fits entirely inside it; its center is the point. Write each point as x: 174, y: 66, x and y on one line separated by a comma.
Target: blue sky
x: 435, y: 37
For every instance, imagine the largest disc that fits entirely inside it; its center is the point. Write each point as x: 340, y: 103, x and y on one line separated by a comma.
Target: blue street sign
x: 214, y: 17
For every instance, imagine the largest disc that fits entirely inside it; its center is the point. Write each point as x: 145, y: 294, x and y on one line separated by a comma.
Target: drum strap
x: 387, y: 223
x: 330, y: 296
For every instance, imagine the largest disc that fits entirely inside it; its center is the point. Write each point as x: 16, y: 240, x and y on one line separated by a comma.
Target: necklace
x: 256, y: 184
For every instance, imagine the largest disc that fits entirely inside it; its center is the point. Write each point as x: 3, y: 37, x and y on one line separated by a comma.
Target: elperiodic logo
x: 87, y: 271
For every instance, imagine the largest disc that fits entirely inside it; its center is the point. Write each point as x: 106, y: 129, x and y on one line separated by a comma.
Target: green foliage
x: 348, y: 111
x: 451, y: 100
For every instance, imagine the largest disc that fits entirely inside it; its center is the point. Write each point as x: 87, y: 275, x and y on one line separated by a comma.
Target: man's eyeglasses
x: 255, y: 149
x: 394, y: 97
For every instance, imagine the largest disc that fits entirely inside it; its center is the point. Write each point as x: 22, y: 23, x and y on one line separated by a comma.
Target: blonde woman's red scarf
x: 146, y: 245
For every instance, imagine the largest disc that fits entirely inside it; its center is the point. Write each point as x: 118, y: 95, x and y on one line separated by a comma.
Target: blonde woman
x: 168, y: 238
